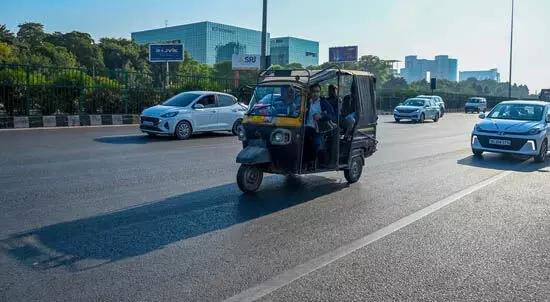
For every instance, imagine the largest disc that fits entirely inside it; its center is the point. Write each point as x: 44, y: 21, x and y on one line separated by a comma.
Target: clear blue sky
x: 476, y: 32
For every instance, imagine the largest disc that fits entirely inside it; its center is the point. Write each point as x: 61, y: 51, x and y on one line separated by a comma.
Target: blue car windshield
x: 520, y: 112
x: 282, y: 101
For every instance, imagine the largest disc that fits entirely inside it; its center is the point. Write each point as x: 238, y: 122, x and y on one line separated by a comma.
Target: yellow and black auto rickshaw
x: 274, y: 135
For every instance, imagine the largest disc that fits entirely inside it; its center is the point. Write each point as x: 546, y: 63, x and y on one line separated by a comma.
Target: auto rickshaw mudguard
x: 253, y: 155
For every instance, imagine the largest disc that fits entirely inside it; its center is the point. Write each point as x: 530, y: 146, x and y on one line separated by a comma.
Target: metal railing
x: 45, y: 90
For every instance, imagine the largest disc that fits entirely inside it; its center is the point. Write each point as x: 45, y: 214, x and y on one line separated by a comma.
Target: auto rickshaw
x: 273, y: 130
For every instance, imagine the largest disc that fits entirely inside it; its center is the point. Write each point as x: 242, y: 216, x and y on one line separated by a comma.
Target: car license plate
x: 500, y: 142
x: 147, y: 123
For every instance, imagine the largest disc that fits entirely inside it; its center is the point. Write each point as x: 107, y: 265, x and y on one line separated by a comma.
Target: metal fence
x: 387, y: 99
x: 41, y: 90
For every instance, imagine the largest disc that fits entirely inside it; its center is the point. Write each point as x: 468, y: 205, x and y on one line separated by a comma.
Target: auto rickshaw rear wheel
x: 353, y: 174
x: 249, y: 178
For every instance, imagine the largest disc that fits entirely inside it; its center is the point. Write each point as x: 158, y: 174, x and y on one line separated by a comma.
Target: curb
x: 56, y: 121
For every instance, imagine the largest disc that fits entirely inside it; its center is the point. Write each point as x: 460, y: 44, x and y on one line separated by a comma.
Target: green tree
x: 88, y: 54
x: 57, y: 55
x: 122, y: 54
x: 6, y: 35
x: 394, y: 83
x: 380, y: 68
x: 6, y: 52
x: 31, y: 34
x: 190, y: 66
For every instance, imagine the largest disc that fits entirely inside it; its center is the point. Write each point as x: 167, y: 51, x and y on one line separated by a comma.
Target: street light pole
x: 511, y: 47
x: 263, y: 62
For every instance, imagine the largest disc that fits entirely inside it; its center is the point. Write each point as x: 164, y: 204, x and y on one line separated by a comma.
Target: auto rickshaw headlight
x: 281, y: 137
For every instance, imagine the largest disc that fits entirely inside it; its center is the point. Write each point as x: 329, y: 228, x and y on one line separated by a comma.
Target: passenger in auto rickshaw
x: 319, y: 111
x: 347, y: 108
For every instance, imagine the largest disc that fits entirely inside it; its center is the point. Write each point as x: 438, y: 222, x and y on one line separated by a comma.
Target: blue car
x: 515, y: 127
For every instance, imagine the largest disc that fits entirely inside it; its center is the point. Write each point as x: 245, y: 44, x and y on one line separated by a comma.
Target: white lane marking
x: 301, y: 270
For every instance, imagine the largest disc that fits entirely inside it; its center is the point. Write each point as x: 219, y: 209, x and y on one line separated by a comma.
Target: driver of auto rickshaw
x: 288, y: 102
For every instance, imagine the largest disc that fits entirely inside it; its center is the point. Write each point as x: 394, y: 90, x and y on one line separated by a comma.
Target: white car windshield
x: 521, y: 112
x: 181, y: 100
x: 414, y: 102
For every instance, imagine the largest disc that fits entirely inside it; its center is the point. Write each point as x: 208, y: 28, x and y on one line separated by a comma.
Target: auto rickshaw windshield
x: 283, y: 100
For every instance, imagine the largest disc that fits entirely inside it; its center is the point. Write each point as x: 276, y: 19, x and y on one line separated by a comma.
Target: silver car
x: 192, y: 112
x: 438, y: 100
x: 417, y: 110
x: 516, y: 127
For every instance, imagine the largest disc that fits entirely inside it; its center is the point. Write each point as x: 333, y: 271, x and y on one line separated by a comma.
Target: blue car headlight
x: 534, y: 131
x: 169, y: 114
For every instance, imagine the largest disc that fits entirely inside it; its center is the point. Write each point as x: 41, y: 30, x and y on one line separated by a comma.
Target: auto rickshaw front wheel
x: 353, y: 174
x: 249, y: 178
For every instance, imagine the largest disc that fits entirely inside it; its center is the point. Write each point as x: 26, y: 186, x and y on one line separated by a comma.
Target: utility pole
x: 263, y: 57
x: 511, y: 47
x: 167, y: 65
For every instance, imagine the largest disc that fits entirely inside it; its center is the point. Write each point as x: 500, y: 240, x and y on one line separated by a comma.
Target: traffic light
x: 433, y: 83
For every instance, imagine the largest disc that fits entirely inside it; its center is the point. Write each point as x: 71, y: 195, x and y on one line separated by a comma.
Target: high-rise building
x: 442, y: 67
x: 491, y: 74
x: 207, y: 42
x: 287, y: 50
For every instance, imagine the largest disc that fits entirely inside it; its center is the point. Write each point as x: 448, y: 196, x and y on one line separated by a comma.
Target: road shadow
x: 504, y: 162
x: 91, y: 242
x: 408, y: 122
x: 141, y: 139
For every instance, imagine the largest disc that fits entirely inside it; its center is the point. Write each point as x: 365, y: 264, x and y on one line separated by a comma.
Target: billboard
x: 343, y: 54
x: 166, y: 52
x: 245, y: 62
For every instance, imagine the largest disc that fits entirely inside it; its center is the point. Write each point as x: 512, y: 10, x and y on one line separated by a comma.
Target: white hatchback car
x: 516, y: 127
x: 191, y: 112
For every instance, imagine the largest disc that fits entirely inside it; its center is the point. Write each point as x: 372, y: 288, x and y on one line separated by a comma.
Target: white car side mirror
x: 198, y: 106
x: 548, y: 118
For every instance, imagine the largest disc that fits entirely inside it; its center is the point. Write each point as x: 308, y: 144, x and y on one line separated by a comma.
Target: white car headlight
x: 169, y: 114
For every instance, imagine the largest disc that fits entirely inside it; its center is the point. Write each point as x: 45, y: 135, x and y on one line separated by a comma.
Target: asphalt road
x: 107, y: 214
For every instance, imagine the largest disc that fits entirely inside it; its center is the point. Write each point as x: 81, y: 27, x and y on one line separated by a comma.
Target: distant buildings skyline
x: 442, y: 67
x: 480, y: 75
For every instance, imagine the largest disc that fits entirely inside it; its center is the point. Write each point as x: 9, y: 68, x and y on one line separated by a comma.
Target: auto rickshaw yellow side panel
x: 273, y: 120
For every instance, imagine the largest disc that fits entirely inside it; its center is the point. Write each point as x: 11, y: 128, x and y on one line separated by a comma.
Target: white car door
x: 205, y: 113
x: 228, y: 112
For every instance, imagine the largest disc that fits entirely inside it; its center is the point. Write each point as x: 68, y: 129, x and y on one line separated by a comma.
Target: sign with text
x: 343, y: 54
x: 246, y: 62
x: 166, y: 52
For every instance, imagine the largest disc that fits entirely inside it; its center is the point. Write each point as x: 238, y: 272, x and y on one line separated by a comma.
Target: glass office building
x: 442, y: 67
x: 207, y: 42
x: 287, y: 50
